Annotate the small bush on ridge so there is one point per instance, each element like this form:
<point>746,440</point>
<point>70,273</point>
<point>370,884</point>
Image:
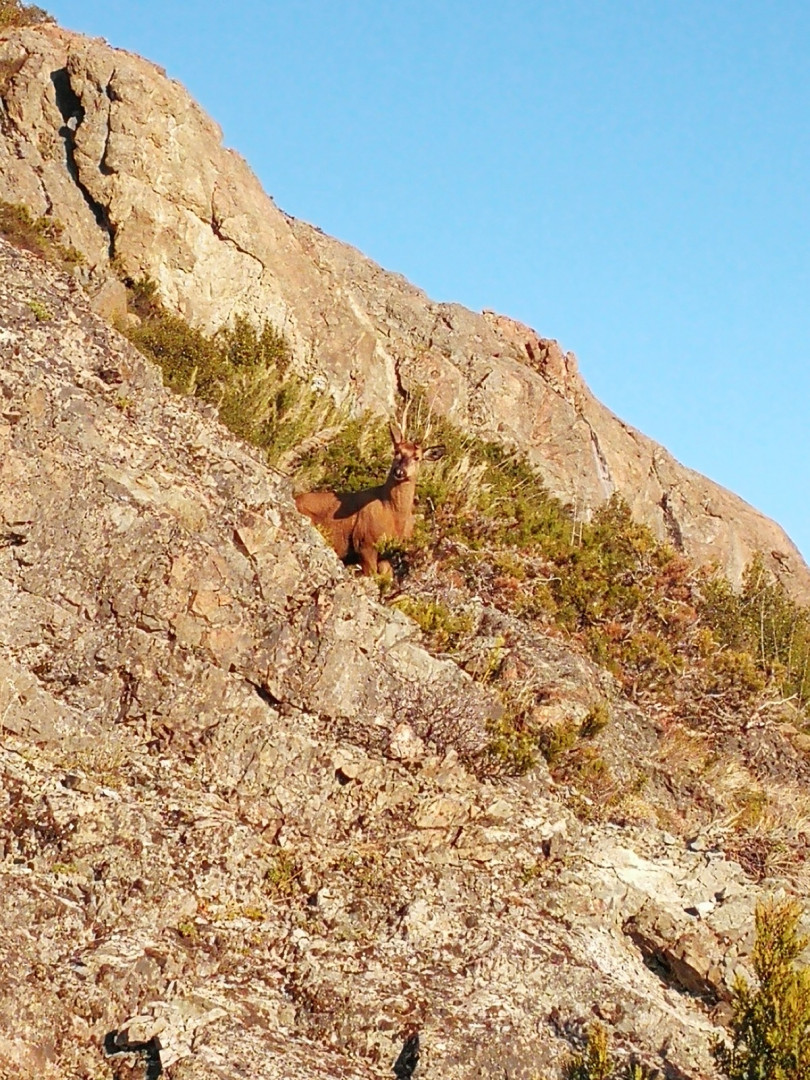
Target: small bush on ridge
<point>597,1063</point>
<point>771,1023</point>
<point>13,13</point>
<point>242,370</point>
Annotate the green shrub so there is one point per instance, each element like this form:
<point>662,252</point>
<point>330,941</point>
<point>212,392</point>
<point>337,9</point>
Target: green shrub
<point>771,1023</point>
<point>478,492</point>
<point>608,574</point>
<point>763,621</point>
<point>42,236</point>
<point>512,746</point>
<point>734,674</point>
<point>595,720</point>
<point>647,659</point>
<point>282,877</point>
<point>359,456</point>
<point>443,627</point>
<point>189,360</point>
<point>242,370</point>
<point>770,1029</point>
<point>39,311</point>
<point>519,511</point>
<point>554,740</point>
<point>596,1062</point>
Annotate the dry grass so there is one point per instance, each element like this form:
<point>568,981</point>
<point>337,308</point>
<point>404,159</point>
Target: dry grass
<point>683,752</point>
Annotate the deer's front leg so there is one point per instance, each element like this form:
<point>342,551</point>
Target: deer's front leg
<point>368,560</point>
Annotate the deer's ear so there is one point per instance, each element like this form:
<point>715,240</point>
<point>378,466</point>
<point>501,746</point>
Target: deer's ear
<point>433,453</point>
<point>396,435</point>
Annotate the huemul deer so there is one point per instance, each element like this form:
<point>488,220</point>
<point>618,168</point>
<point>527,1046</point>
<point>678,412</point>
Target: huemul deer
<point>356,521</point>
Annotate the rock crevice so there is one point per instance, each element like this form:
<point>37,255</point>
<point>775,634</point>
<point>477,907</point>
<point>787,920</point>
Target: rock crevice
<point>73,113</point>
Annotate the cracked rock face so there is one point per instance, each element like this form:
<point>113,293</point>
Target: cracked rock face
<point>136,171</point>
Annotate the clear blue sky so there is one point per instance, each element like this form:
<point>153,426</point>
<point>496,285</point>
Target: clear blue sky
<point>631,177</point>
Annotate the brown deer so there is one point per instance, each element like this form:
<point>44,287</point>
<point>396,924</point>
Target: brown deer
<point>355,522</point>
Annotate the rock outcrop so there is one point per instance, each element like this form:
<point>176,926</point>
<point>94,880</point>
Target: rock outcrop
<point>136,172</point>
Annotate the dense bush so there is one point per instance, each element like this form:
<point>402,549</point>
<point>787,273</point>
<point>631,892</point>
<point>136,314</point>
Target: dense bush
<point>241,370</point>
<point>764,622</point>
<point>771,1023</point>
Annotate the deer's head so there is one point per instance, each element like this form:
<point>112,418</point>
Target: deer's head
<point>408,456</point>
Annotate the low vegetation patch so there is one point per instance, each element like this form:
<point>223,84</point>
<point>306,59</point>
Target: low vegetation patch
<point>39,311</point>
<point>13,13</point>
<point>282,878</point>
<point>513,743</point>
<point>596,1062</point>
<point>443,627</point>
<point>42,235</point>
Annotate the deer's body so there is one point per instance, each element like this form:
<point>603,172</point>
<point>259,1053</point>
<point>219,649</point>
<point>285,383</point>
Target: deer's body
<point>356,521</point>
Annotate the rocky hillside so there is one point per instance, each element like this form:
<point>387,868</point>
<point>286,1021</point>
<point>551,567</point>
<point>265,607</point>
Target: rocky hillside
<point>251,826</point>
<point>248,822</point>
<point>245,814</point>
<point>136,172</point>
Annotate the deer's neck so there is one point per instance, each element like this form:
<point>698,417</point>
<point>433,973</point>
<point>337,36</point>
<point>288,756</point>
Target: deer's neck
<point>401,495</point>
